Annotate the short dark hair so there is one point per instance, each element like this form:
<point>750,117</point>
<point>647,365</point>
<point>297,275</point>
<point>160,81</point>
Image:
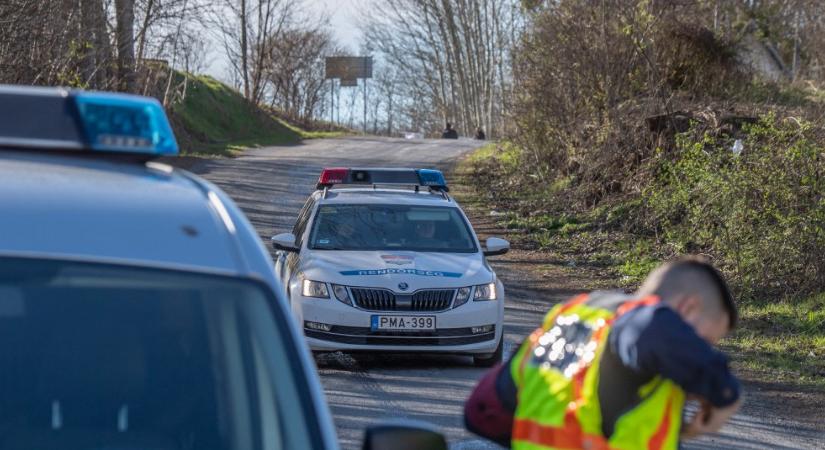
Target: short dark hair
<point>720,283</point>
<point>692,274</point>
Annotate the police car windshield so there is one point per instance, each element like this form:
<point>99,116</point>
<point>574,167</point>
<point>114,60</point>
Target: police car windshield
<point>391,227</point>
<point>100,356</point>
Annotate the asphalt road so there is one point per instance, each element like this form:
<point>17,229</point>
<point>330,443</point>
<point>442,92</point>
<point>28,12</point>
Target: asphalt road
<point>271,184</point>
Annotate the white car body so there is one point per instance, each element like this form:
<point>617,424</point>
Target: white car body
<point>375,278</point>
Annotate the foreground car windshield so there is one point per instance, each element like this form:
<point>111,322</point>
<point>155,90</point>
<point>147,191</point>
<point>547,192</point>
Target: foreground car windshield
<point>391,227</point>
<point>99,356</point>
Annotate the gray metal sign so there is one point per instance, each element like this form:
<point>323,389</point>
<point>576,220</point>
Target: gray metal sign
<point>348,67</point>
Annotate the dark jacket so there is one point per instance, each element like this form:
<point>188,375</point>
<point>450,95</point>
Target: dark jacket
<point>449,133</point>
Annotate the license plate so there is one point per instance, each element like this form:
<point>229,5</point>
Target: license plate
<point>403,323</point>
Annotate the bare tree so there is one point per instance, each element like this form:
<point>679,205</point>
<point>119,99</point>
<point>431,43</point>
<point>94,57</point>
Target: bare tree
<point>294,70</point>
<point>456,53</point>
<point>246,27</point>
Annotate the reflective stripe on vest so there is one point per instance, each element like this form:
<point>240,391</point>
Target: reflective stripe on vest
<point>556,373</point>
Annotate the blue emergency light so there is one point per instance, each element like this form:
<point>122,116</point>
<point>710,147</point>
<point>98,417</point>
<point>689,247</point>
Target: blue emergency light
<point>430,178</point>
<point>59,119</point>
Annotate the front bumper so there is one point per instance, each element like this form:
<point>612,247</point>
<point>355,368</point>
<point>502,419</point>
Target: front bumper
<point>350,328</point>
<point>365,336</point>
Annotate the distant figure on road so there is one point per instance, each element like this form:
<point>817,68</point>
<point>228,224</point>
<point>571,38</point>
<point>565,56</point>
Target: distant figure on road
<point>610,370</point>
<point>449,132</point>
<point>480,135</point>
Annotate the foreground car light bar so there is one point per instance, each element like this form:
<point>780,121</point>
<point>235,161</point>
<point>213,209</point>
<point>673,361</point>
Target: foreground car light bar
<point>125,123</point>
<point>433,179</point>
<point>79,121</point>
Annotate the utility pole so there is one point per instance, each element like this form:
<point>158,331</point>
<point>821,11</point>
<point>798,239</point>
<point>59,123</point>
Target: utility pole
<point>331,100</point>
<point>365,106</point>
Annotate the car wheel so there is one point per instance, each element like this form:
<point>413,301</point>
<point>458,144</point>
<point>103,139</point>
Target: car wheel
<point>490,359</point>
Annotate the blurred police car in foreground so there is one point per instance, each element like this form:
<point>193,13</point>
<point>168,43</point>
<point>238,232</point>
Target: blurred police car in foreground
<point>396,268</point>
<point>138,307</point>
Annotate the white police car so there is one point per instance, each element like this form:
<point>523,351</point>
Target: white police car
<point>138,307</point>
<point>395,268</point>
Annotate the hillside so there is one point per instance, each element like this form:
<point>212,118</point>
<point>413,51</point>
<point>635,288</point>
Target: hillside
<point>214,119</point>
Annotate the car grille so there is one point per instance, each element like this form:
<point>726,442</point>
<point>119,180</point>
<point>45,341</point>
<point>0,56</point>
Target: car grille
<point>385,300</point>
<point>435,300</point>
<point>374,299</point>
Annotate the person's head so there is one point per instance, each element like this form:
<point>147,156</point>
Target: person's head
<point>425,229</point>
<point>449,126</point>
<point>697,292</point>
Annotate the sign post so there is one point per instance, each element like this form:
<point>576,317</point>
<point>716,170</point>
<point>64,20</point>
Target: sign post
<point>348,69</point>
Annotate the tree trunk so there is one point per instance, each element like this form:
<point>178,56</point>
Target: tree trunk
<point>144,30</point>
<point>125,15</point>
<point>98,53</point>
<point>244,50</point>
<point>87,32</point>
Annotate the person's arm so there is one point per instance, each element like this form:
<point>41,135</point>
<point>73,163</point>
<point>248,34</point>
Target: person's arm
<point>655,340</point>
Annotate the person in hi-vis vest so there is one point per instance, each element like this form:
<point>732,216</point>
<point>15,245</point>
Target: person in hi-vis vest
<point>608,370</point>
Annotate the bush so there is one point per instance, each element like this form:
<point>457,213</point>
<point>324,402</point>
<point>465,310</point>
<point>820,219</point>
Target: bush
<point>760,214</point>
<point>588,76</point>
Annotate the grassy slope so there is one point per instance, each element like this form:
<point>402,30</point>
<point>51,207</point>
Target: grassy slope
<point>776,341</point>
<point>216,120</point>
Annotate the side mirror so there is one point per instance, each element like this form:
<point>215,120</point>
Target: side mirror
<point>496,246</point>
<point>404,435</point>
<point>285,242</point>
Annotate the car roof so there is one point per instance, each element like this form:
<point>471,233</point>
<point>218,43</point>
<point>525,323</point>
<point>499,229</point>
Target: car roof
<point>102,209</point>
<point>383,196</point>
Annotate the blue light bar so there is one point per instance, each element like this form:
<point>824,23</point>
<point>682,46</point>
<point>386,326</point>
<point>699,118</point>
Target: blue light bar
<point>125,123</point>
<point>432,178</point>
<point>57,119</point>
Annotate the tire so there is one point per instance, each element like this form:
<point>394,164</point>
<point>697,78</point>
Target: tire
<point>492,359</point>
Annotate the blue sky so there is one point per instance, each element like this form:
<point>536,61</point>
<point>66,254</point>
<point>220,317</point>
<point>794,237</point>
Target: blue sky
<point>342,14</point>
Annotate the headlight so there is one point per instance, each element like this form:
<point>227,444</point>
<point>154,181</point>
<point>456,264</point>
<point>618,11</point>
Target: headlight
<point>461,296</point>
<point>485,292</point>
<point>315,289</point>
<point>341,294</point>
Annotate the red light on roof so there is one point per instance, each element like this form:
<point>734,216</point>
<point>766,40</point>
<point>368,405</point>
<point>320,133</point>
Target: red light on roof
<point>333,175</point>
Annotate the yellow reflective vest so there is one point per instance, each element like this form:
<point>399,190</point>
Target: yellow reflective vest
<point>556,372</point>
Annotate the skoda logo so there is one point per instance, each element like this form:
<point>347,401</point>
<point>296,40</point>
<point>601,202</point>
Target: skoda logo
<point>403,286</point>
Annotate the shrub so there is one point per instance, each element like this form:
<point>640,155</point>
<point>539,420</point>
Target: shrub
<point>759,213</point>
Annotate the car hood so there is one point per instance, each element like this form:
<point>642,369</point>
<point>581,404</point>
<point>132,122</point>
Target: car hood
<point>390,269</point>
